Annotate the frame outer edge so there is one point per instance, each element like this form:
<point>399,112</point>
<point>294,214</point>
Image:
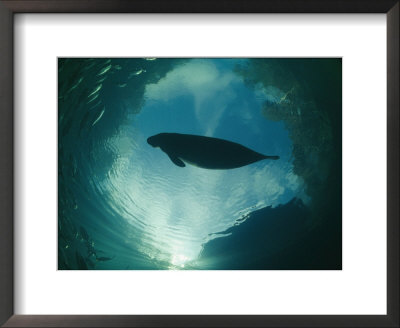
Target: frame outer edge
<point>6,164</point>
<point>203,6</point>
<point>6,181</point>
<point>393,164</point>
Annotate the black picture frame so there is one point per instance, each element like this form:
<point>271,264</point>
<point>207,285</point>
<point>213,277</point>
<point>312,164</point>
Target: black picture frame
<point>10,7</point>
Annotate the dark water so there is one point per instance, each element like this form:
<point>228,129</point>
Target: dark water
<point>123,205</point>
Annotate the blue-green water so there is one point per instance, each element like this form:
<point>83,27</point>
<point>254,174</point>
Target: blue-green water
<point>124,205</point>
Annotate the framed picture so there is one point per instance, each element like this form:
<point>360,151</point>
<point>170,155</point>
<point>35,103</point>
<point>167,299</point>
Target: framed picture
<point>165,166</point>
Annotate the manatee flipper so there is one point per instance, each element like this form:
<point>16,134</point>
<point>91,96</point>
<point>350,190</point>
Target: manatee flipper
<point>176,160</point>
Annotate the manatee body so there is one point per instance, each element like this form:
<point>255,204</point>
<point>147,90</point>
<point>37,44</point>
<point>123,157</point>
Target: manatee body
<point>205,152</point>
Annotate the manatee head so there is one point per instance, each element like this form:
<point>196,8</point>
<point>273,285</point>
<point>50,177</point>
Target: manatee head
<point>155,141</point>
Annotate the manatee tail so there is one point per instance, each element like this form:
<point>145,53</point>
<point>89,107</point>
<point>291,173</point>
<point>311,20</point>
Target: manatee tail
<point>272,157</point>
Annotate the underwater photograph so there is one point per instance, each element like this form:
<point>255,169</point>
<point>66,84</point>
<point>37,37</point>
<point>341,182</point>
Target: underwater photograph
<point>199,164</point>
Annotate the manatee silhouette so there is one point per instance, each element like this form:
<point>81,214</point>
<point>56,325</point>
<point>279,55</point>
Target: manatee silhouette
<point>205,152</point>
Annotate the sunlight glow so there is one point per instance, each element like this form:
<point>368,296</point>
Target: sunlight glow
<point>179,260</point>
